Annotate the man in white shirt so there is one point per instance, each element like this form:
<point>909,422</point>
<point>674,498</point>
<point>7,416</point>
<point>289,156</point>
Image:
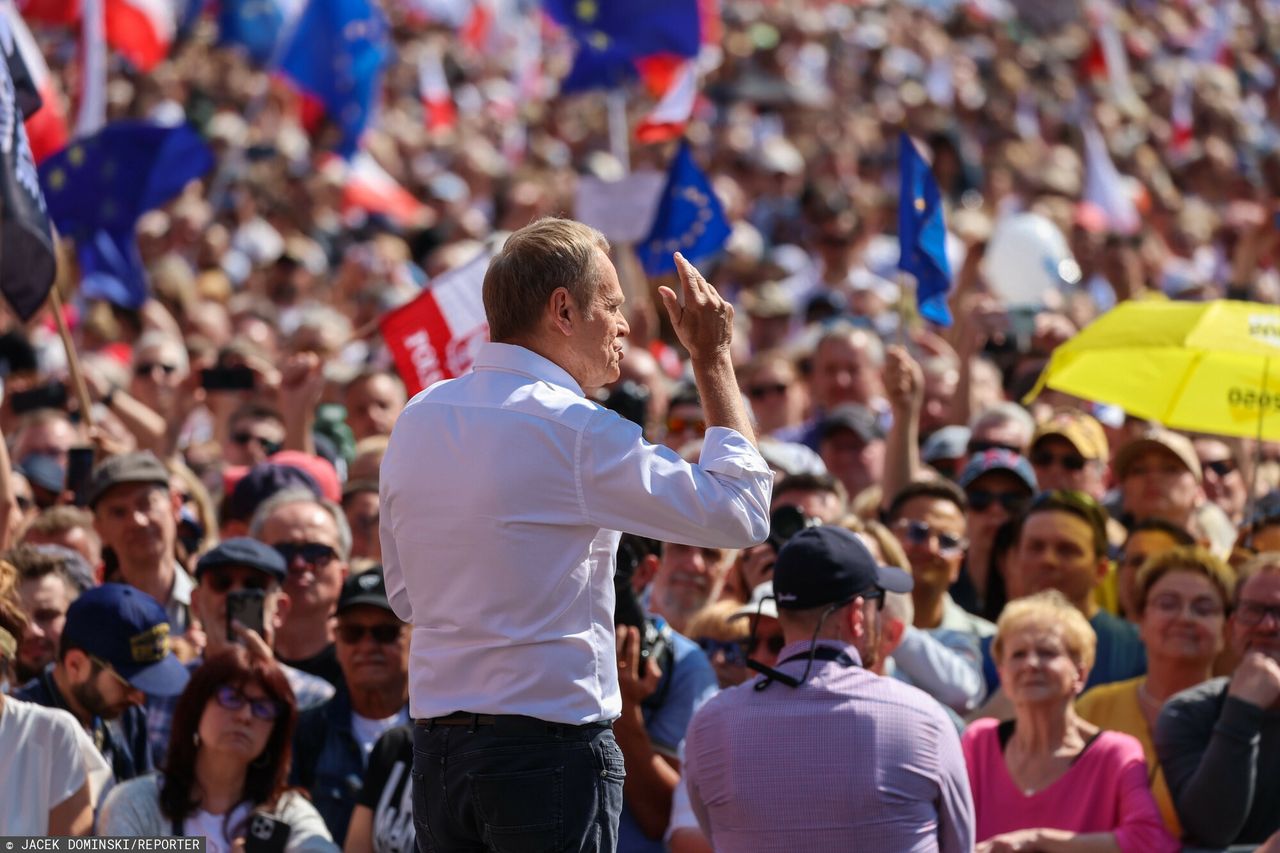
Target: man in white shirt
<point>503,494</point>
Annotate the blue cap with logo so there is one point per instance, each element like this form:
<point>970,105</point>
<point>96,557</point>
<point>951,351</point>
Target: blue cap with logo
<point>999,459</point>
<point>128,629</point>
<point>830,565</point>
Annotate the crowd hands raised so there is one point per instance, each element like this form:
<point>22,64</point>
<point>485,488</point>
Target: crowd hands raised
<point>1096,600</point>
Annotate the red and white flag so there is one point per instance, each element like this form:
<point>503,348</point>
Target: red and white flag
<point>671,115</point>
<point>141,30</point>
<point>438,109</point>
<point>368,187</point>
<point>436,336</point>
<point>1105,187</point>
<point>1181,118</point>
<point>92,113</point>
<point>46,130</point>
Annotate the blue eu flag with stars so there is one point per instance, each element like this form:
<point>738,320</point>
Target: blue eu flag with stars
<point>98,187</point>
<point>612,34</point>
<point>922,234</point>
<point>689,220</point>
<point>336,54</point>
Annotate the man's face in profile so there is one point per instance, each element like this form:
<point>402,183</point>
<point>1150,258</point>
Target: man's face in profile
<point>604,325</point>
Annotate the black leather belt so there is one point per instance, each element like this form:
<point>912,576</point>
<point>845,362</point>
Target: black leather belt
<point>460,718</point>
<point>507,724</point>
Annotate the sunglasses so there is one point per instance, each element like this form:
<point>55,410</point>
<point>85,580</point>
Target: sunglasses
<point>233,700</point>
<point>678,425</point>
<point>1222,467</point>
<point>223,582</point>
<point>759,392</point>
<point>106,667</point>
<point>920,533</point>
<point>1070,461</point>
<point>981,500</point>
<point>311,553</point>
<point>382,634</point>
<point>243,438</point>
<point>735,651</point>
<point>147,368</point>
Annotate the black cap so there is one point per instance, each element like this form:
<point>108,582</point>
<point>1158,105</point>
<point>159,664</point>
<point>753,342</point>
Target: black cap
<point>139,467</point>
<point>830,565</point>
<point>859,420</point>
<point>243,551</point>
<point>368,587</point>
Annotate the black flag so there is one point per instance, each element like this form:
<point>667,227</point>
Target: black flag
<point>27,262</point>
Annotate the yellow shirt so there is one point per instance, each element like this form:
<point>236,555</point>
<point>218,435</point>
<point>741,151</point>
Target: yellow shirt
<point>1116,707</point>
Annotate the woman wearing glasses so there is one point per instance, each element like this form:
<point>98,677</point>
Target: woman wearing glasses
<point>1181,603</point>
<point>228,760</point>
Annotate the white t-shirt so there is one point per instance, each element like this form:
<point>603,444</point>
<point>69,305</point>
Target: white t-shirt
<point>41,764</point>
<point>367,731</point>
<point>214,826</point>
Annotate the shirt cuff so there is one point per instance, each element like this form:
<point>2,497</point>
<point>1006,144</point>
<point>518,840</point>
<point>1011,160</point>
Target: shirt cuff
<point>727,451</point>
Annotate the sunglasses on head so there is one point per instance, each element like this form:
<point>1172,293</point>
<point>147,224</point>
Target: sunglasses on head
<point>1070,461</point>
<point>233,700</point>
<point>759,392</point>
<point>382,634</point>
<point>311,553</point>
<point>980,500</point>
<point>223,582</point>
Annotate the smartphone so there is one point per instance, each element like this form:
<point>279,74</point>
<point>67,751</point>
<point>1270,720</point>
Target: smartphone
<point>265,834</point>
<point>50,396</point>
<point>227,379</point>
<point>79,469</point>
<point>245,606</point>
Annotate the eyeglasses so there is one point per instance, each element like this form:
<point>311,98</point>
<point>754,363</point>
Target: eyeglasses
<point>1069,461</point>
<point>1251,613</point>
<point>222,582</point>
<point>759,392</point>
<point>735,651</point>
<point>106,667</point>
<point>382,634</point>
<point>233,700</point>
<point>243,438</point>
<point>981,500</point>
<point>920,533</point>
<point>311,553</point>
<point>1168,604</point>
<point>981,446</point>
<point>1222,467</point>
<point>678,425</point>
<point>146,368</point>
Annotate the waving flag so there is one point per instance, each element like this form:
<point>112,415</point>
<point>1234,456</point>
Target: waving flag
<point>689,220</point>
<point>922,233</point>
<point>37,90</point>
<point>438,110</point>
<point>1105,187</point>
<point>258,27</point>
<point>140,30</point>
<point>367,186</point>
<point>99,187</point>
<point>669,118</point>
<point>614,36</point>
<point>336,55</point>
<point>435,336</point>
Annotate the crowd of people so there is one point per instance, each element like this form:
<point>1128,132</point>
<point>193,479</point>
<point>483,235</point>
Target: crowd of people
<point>1080,646</point>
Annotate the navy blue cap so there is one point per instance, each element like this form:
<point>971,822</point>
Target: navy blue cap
<point>42,470</point>
<point>859,420</point>
<point>367,587</point>
<point>263,481</point>
<point>123,626</point>
<point>243,551</point>
<point>999,459</point>
<point>830,565</point>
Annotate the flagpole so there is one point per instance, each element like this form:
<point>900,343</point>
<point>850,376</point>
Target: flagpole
<point>618,141</point>
<point>73,360</point>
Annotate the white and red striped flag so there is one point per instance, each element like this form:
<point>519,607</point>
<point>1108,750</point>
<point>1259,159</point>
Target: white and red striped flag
<point>47,130</point>
<point>1105,187</point>
<point>669,118</point>
<point>436,336</point>
<point>1181,117</point>
<point>367,186</point>
<point>438,109</point>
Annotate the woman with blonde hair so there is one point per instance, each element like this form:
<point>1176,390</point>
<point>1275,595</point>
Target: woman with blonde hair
<point>1048,779</point>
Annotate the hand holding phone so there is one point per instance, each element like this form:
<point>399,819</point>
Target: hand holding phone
<point>79,469</point>
<point>244,606</point>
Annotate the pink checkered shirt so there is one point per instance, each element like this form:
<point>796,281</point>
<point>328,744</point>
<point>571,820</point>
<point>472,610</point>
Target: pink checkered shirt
<point>848,761</point>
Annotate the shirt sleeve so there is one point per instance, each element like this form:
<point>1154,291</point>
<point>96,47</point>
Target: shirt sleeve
<point>627,484</point>
<point>1141,828</point>
<point>946,674</point>
<point>1211,765</point>
<point>67,773</point>
<point>392,571</point>
<point>956,821</point>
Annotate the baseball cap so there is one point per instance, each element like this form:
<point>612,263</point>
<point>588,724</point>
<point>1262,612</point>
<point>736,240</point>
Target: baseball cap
<point>829,565</point>
<point>261,482</point>
<point>123,626</point>
<point>998,459</point>
<point>42,470</point>
<point>768,300</point>
<point>320,469</point>
<point>859,420</point>
<point>243,551</point>
<point>762,603</point>
<point>949,442</point>
<point>139,467</point>
<point>1159,437</point>
<point>368,587</point>
<point>1081,431</point>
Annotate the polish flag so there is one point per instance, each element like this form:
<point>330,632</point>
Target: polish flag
<point>141,30</point>
<point>1181,118</point>
<point>438,109</point>
<point>1105,188</point>
<point>92,114</point>
<point>669,118</point>
<point>47,129</point>
<point>367,186</point>
<point>436,336</point>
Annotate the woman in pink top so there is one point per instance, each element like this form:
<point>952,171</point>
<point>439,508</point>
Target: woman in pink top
<point>1048,780</point>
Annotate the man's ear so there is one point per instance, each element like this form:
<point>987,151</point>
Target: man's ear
<point>563,310</point>
<point>77,664</point>
<point>283,605</point>
<point>1103,569</point>
<point>645,573</point>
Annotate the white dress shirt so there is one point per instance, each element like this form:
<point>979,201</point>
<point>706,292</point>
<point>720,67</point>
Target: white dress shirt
<point>502,496</point>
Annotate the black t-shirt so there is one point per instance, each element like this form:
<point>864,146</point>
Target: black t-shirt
<point>323,664</point>
<point>388,791</point>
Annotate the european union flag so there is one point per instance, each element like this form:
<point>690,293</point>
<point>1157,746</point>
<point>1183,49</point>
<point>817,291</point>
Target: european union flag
<point>256,26</point>
<point>98,187</point>
<point>336,54</point>
<point>613,34</point>
<point>689,220</point>
<point>922,234</point>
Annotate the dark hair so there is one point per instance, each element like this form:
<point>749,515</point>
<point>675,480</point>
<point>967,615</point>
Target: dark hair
<point>808,482</point>
<point>943,490</point>
<point>685,394</point>
<point>1075,503</point>
<point>256,412</point>
<point>1176,532</point>
<point>265,782</point>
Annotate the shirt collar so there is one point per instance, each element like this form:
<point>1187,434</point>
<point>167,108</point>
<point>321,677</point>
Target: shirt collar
<point>182,587</point>
<point>518,359</point>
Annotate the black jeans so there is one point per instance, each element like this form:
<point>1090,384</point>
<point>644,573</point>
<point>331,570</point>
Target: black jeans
<point>517,786</point>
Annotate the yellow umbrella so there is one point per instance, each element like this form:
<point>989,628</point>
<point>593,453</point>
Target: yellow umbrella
<point>1211,367</point>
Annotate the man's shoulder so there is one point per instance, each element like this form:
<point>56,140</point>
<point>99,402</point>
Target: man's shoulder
<point>36,692</point>
<point>1207,695</point>
<point>956,618</point>
<point>519,394</point>
<point>35,724</point>
<point>1113,626</point>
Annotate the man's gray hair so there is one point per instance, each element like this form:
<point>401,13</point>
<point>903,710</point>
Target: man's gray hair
<point>157,338</point>
<point>1004,413</point>
<point>843,330</point>
<point>302,495</point>
<point>899,605</point>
